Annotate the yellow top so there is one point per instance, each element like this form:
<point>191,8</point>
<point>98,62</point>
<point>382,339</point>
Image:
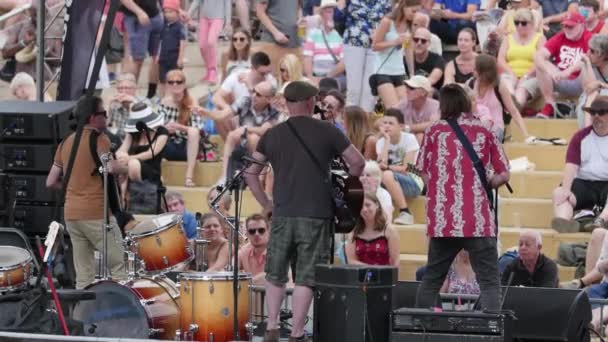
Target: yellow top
<point>521,57</point>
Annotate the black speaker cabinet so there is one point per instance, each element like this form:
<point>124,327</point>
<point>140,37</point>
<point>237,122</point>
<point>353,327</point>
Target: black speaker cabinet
<point>353,302</point>
<point>399,336</point>
<point>35,121</point>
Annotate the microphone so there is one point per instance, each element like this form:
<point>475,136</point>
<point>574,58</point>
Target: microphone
<point>252,160</point>
<point>143,127</point>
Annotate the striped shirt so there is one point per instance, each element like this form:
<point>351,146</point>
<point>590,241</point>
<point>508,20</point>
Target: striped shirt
<point>315,47</point>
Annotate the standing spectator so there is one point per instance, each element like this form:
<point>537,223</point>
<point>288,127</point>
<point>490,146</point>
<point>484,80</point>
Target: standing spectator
<point>323,49</point>
<point>252,256</point>
<point>121,102</point>
<point>373,241</point>
<point>459,214</point>
<point>173,42</point>
<point>460,69</point>
<point>236,58</point>
<point>427,63</point>
<point>392,34</point>
<point>362,16</point>
<point>590,9</point>
<point>360,132</point>
<point>175,204</point>
<point>531,268</point>
<point>371,178</point>
<point>557,67</point>
<point>453,16</point>
<point>183,120</point>
<point>595,74</point>
<point>242,12</point>
<point>280,34</point>
<point>422,20</point>
<point>396,150</point>
<point>144,23</point>
<point>419,110</point>
<point>213,15</point>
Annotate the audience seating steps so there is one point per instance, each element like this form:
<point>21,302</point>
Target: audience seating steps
<point>545,157</point>
<point>541,128</point>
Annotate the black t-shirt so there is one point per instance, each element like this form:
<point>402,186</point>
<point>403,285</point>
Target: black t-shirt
<point>151,167</point>
<point>545,273</point>
<point>151,8</point>
<point>433,61</point>
<point>300,190</point>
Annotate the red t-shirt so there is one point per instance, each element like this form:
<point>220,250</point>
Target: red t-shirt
<point>565,52</point>
<point>598,27</point>
<point>458,205</point>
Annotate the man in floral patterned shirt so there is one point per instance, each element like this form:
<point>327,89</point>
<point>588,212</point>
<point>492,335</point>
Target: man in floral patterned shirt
<point>459,213</point>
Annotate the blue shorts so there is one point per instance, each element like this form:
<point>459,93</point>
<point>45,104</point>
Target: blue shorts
<point>144,39</point>
<point>164,68</point>
<point>597,291</point>
<point>408,185</point>
<point>175,151</point>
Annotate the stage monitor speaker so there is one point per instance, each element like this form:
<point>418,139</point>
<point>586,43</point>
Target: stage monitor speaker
<point>35,219</point>
<point>35,121</point>
<point>28,188</point>
<point>353,302</point>
<point>400,336</point>
<point>26,157</point>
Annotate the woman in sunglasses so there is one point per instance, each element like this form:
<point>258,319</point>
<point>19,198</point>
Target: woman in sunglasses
<point>237,55</point>
<point>374,241</point>
<point>183,119</point>
<point>507,26</point>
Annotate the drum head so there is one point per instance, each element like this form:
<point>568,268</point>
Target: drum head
<point>217,276</point>
<point>115,312</point>
<point>155,224</point>
<point>11,256</point>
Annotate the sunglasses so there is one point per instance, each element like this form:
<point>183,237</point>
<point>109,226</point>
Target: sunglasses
<point>593,112</point>
<point>101,113</point>
<point>239,39</point>
<point>567,27</point>
<point>257,93</point>
<point>420,40</point>
<point>593,51</point>
<point>260,231</point>
<point>520,23</point>
<point>173,82</point>
<point>282,70</point>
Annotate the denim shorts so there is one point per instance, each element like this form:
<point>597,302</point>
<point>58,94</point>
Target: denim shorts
<point>176,151</point>
<point>410,187</point>
<point>598,291</point>
<point>144,39</point>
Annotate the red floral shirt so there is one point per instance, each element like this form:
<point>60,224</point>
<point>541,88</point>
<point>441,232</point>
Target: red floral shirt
<point>457,205</point>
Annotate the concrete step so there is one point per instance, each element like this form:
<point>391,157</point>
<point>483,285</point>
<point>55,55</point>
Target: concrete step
<point>532,184</point>
<point>566,273</point>
<point>572,238</point>
<point>546,158</point>
<point>539,128</point>
<point>206,174</point>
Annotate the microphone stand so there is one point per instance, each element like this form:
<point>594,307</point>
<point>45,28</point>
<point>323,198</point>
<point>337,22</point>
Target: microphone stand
<point>235,186</point>
<point>106,216</point>
<point>161,190</point>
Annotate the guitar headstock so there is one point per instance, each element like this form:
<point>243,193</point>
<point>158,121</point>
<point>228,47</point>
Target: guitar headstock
<point>55,228</point>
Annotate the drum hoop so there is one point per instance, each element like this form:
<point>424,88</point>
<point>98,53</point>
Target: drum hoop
<point>157,230</point>
<point>210,276</point>
<point>175,267</point>
<point>25,262</point>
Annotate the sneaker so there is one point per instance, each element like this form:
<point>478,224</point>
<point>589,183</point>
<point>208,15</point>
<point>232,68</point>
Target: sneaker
<point>271,335</point>
<point>404,218</point>
<point>597,223</point>
<point>565,226</point>
<point>547,111</point>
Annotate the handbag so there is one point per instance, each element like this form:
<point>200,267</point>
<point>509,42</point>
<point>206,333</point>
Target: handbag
<point>373,78</point>
<point>344,219</point>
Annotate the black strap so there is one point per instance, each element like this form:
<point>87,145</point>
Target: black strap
<point>331,52</point>
<point>477,164</point>
<point>387,57</point>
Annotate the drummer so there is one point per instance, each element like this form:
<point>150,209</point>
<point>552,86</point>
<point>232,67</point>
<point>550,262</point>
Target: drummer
<point>175,204</point>
<point>216,253</point>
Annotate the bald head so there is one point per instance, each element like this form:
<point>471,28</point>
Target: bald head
<point>421,20</point>
<point>422,33</point>
<point>266,88</point>
<point>531,235</point>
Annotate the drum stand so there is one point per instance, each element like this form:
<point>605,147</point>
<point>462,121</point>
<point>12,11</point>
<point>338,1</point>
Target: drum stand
<point>235,185</point>
<point>105,227</point>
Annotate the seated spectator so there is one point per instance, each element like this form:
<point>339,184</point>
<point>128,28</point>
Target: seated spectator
<point>290,69</point>
<point>585,181</point>
<point>597,250</point>
<point>531,268</point>
<point>556,64</point>
<point>390,37</point>
<point>455,16</point>
<point>333,108</point>
<point>460,69</point>
<point>224,205</point>
<point>323,49</point>
<point>396,150</point>
<point>507,27</point>
<point>360,132</point>
<point>590,9</point>
<point>236,58</point>
<point>216,253</point>
<point>495,95</point>
<point>252,256</point>
<point>517,51</point>
<point>554,12</point>
<point>422,20</point>
<point>254,115</point>
<point>418,108</point>
<point>373,241</point>
<point>595,75</point>
<point>461,277</point>
<point>371,179</point>
<point>183,120</point>
<point>238,85</point>
<point>23,87</point>
<point>175,204</point>
<point>121,102</point>
<point>427,63</point>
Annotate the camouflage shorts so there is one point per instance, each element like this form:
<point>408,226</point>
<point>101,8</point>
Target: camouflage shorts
<point>298,241</point>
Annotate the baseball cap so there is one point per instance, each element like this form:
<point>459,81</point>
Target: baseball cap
<point>573,18</point>
<point>419,82</point>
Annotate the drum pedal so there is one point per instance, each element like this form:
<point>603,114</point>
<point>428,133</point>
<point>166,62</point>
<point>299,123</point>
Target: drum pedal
<point>285,315</point>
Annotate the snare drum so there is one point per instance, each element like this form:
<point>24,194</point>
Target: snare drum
<point>139,308</point>
<point>161,244</point>
<point>15,268</point>
<point>207,306</point>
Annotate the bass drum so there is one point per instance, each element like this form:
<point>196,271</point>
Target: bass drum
<point>139,308</point>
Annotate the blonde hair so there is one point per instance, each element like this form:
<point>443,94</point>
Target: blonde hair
<point>294,69</point>
<point>373,168</point>
<point>22,79</point>
<point>524,14</point>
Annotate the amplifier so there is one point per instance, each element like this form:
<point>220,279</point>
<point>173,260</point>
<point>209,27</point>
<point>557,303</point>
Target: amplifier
<point>30,120</point>
<point>35,219</point>
<point>400,336</point>
<point>458,322</point>
<point>30,188</point>
<point>26,157</point>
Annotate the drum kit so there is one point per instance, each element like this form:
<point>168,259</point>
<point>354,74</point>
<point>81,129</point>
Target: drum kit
<point>16,267</point>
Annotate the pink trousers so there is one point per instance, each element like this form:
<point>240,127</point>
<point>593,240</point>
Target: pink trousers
<point>208,33</point>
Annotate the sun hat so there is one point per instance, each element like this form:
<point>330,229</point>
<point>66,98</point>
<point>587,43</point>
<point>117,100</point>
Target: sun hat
<point>142,112</point>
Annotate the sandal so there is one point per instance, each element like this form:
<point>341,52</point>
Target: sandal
<point>189,183</point>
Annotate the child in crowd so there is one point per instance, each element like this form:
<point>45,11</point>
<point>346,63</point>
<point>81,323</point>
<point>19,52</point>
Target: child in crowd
<point>173,42</point>
<point>396,150</point>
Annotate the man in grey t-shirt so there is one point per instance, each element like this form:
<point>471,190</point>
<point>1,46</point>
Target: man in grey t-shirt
<point>280,33</point>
